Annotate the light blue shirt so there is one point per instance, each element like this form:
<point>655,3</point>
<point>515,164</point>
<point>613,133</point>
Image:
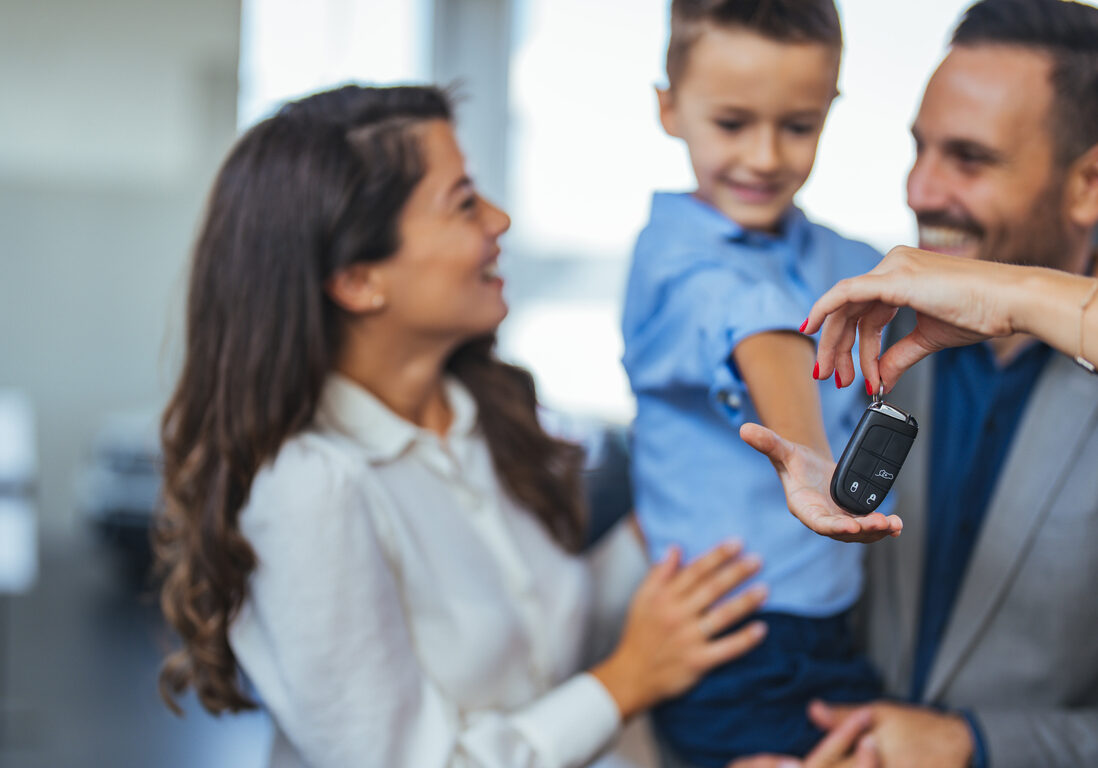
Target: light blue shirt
<point>698,286</point>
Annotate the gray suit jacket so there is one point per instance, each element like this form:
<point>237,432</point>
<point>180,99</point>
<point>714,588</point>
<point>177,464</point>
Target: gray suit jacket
<point>1021,647</point>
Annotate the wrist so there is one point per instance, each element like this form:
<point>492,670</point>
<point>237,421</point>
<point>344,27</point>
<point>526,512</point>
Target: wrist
<point>621,681</point>
<point>1022,284</point>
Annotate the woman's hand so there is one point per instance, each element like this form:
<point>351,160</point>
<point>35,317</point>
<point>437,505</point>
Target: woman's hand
<point>806,478</point>
<point>957,301</point>
<point>671,633</point>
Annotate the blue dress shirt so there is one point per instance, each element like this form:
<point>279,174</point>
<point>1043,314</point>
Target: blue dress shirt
<point>977,407</point>
<point>699,285</point>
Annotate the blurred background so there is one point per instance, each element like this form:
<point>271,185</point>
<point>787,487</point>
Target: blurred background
<point>113,117</point>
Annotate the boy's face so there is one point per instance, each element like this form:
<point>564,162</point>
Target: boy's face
<point>750,111</point>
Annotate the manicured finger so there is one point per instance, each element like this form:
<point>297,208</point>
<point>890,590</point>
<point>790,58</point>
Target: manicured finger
<point>844,359</point>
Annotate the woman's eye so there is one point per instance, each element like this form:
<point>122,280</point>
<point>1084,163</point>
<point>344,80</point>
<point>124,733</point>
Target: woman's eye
<point>468,204</point>
<point>801,129</point>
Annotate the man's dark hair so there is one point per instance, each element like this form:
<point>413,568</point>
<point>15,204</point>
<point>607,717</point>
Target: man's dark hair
<point>1066,32</point>
<point>785,21</point>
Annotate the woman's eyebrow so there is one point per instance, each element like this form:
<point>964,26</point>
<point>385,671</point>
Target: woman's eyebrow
<point>458,186</point>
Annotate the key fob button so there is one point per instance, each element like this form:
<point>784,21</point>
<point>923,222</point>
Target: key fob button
<point>876,439</point>
<point>855,485</point>
<point>884,473</point>
<point>864,463</point>
<point>871,497</point>
<point>897,449</point>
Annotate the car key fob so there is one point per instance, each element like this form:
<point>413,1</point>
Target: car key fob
<point>873,457</point>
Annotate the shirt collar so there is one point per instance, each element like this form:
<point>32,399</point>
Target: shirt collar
<point>347,407</point>
<point>674,207</point>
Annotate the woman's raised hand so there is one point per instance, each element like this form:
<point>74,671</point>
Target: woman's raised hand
<point>957,301</point>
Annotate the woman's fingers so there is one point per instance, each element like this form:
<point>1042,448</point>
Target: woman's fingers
<point>734,644</point>
<point>703,567</point>
<point>898,358</point>
<point>721,582</point>
<point>734,610</point>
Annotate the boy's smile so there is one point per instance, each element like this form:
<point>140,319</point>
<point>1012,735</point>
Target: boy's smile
<point>750,110</point>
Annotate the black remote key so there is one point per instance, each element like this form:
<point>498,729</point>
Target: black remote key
<point>873,457</point>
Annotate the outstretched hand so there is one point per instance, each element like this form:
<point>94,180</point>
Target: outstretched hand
<point>806,478</point>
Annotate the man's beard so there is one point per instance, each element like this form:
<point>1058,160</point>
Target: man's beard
<point>1039,238</point>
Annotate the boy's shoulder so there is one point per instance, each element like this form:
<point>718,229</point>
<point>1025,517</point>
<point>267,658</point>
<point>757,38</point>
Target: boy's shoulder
<point>827,240</point>
<point>825,235</point>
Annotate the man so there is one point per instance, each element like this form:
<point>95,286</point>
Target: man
<point>984,610</point>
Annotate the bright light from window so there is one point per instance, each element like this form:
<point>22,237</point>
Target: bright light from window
<point>289,48</point>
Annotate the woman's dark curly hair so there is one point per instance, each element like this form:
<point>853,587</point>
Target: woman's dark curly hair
<point>302,195</point>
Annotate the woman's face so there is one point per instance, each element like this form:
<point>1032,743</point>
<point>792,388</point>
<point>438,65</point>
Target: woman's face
<point>442,282</point>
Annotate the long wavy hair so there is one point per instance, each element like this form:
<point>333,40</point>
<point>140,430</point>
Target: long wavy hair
<point>302,195</point>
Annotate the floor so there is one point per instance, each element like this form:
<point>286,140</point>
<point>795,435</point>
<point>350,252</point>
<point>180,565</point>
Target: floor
<point>78,662</point>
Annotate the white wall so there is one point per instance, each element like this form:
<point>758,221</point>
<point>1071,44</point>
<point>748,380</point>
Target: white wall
<point>113,116</point>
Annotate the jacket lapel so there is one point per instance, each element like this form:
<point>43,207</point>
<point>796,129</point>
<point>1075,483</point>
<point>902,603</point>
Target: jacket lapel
<point>1059,416</point>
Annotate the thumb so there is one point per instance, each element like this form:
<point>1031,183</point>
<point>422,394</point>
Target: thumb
<point>766,441</point>
<point>899,358</point>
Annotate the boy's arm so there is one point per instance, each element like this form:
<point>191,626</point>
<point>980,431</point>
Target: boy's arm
<point>774,366</point>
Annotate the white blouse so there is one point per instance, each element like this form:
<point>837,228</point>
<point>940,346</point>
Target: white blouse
<point>406,612</point>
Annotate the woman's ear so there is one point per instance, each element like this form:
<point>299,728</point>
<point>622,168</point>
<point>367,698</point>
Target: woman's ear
<point>1082,189</point>
<point>358,289</point>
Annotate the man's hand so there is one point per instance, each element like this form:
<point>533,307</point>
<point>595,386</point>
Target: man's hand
<point>806,478</point>
<point>906,736</point>
<point>846,746</point>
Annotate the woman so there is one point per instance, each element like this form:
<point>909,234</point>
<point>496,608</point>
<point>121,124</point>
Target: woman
<point>363,513</point>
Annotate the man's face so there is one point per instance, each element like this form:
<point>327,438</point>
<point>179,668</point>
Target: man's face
<point>985,183</point>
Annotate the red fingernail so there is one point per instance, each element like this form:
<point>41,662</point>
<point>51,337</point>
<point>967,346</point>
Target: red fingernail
<point>816,371</point>
<point>838,381</point>
<point>804,325</point>
<point>868,388</point>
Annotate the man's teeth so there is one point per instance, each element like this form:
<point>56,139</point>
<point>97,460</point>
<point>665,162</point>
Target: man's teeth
<point>946,238</point>
<point>491,272</point>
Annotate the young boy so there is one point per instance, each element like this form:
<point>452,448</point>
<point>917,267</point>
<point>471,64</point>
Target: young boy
<point>720,282</point>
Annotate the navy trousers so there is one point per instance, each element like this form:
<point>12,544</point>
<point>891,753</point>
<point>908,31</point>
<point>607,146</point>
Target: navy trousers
<point>758,703</point>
